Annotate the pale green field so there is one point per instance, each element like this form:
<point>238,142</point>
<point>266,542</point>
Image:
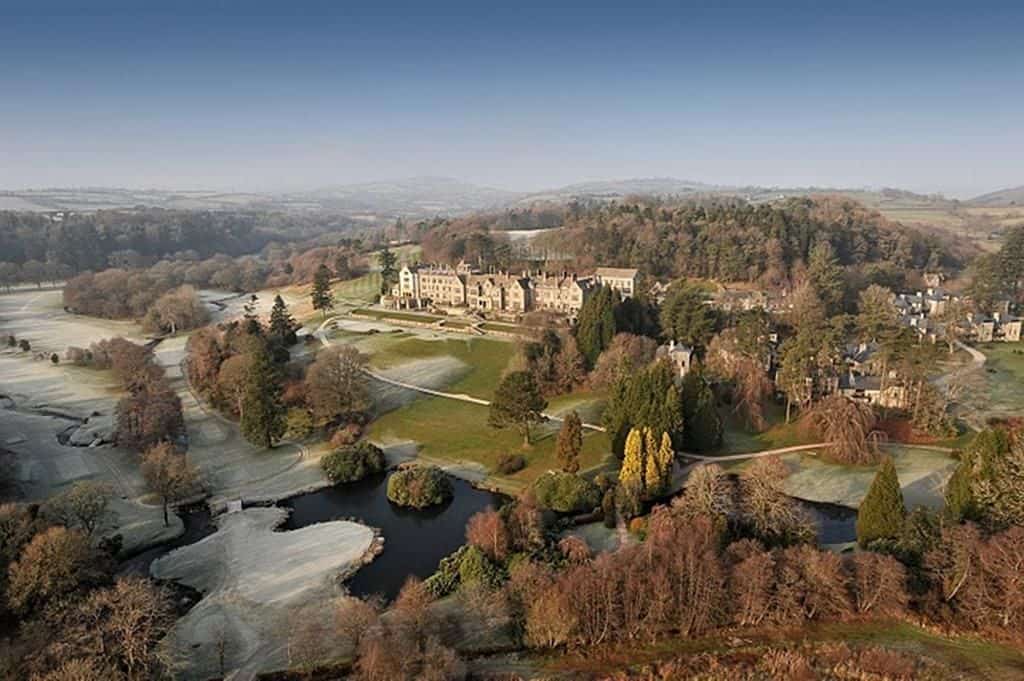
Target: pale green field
<point>451,432</point>
<point>922,472</point>
<point>1004,379</point>
<point>364,289</point>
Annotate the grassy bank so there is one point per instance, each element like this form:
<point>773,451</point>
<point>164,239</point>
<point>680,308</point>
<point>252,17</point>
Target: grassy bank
<point>970,657</point>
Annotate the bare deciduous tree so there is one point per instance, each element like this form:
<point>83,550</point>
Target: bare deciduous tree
<point>878,584</point>
<point>169,474</point>
<point>770,514</point>
<point>84,505</point>
<point>336,383</point>
<point>846,425</point>
<point>487,531</point>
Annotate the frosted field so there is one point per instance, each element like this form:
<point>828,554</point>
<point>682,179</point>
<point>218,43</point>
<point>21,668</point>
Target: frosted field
<point>231,467</point>
<point>44,467</point>
<point>43,400</point>
<point>39,317</point>
<point>251,577</point>
<point>922,472</point>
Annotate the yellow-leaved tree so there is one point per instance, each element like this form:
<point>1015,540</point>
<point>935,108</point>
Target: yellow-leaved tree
<point>658,473</point>
<point>631,475</point>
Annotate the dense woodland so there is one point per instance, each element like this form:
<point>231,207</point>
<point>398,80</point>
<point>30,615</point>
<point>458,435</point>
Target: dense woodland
<point>728,556</point>
<point>722,240</point>
<point>66,614</point>
<point>40,247</point>
<point>143,293</point>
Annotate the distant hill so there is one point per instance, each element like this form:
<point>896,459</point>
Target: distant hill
<point>415,196</point>
<point>425,197</point>
<point>612,189</point>
<point>370,201</point>
<point>1002,198</point>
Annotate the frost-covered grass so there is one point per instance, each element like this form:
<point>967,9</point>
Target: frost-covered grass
<point>252,578</point>
<point>39,317</point>
<point>1004,378</point>
<point>485,360</point>
<point>922,472</point>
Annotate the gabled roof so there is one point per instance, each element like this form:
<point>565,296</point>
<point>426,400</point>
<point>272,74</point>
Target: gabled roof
<point>617,272</point>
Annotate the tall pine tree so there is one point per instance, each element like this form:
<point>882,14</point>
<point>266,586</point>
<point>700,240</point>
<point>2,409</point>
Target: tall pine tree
<point>703,431</point>
<point>595,326</point>
<point>517,402</point>
<point>321,295</point>
<point>263,414</point>
<point>649,398</point>
<point>570,442</point>
<point>282,324</point>
<point>388,262</point>
<point>826,276</point>
<point>882,512</point>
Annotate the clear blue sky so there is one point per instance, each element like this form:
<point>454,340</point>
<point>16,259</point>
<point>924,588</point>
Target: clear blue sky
<point>282,95</point>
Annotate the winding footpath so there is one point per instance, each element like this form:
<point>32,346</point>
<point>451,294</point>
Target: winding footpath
<point>321,334</point>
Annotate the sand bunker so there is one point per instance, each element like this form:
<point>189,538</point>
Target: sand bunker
<point>251,577</point>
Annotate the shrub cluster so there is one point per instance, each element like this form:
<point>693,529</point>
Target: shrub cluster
<point>565,492</point>
<point>510,463</point>
<point>352,463</point>
<point>419,487</point>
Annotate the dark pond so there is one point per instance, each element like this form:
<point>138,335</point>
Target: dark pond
<point>836,524</point>
<point>414,541</point>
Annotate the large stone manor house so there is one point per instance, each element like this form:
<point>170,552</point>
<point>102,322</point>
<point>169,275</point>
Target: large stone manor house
<point>464,286</point>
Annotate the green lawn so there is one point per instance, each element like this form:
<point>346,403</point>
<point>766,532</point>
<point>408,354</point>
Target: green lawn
<point>499,326</point>
<point>363,289</point>
<point>738,440</point>
<point>973,658</point>
<point>997,390</point>
<point>395,315</point>
<point>485,358</point>
<point>450,431</point>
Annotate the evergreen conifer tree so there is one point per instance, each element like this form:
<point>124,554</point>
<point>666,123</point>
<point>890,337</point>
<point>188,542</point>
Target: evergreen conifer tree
<point>960,502</point>
<point>282,324</point>
<point>595,326</point>
<point>882,513</point>
<point>263,415</point>
<point>388,262</point>
<point>826,276</point>
<point>250,319</point>
<point>321,295</point>
<point>570,442</point>
<point>703,431</point>
<point>517,402</point>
